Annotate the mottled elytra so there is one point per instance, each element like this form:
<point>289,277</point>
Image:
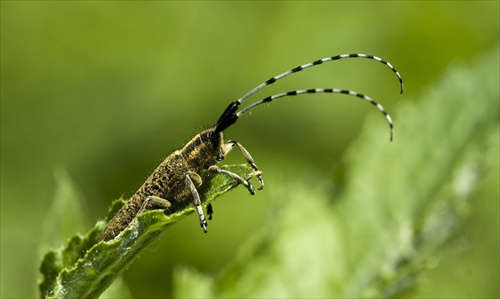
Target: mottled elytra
<point>177,178</point>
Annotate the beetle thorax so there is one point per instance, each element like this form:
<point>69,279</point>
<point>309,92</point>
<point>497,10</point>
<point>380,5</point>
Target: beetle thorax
<point>203,150</point>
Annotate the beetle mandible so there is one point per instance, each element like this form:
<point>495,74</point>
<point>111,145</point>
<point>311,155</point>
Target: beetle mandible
<point>176,179</point>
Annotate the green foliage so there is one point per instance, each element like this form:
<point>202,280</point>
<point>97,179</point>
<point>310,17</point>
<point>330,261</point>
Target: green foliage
<point>396,217</point>
<point>121,84</point>
<point>86,267</point>
<point>399,212</point>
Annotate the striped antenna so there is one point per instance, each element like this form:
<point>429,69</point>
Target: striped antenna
<point>318,62</point>
<point>230,115</point>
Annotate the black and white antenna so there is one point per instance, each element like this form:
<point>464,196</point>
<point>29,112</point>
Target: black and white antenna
<point>230,115</point>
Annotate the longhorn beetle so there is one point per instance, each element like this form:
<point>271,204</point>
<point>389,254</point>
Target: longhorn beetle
<point>176,179</point>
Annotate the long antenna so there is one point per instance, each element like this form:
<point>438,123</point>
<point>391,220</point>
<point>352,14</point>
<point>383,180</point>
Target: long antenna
<point>230,115</point>
<point>318,62</point>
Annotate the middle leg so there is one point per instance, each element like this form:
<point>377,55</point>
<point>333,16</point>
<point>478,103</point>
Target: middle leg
<point>197,200</point>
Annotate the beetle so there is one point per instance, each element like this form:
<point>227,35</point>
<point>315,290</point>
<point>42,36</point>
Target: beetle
<point>177,178</point>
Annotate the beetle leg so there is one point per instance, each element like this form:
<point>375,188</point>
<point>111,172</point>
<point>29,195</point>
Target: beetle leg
<point>210,211</point>
<point>197,202</point>
<point>217,169</point>
<point>228,146</point>
<point>154,202</point>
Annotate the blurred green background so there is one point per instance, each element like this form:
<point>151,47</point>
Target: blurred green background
<point>106,90</point>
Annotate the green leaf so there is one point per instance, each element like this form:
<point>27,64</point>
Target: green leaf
<point>402,204</point>
<point>55,260</point>
<point>86,267</point>
<point>64,215</point>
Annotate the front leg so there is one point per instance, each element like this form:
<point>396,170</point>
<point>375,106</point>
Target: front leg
<point>228,146</point>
